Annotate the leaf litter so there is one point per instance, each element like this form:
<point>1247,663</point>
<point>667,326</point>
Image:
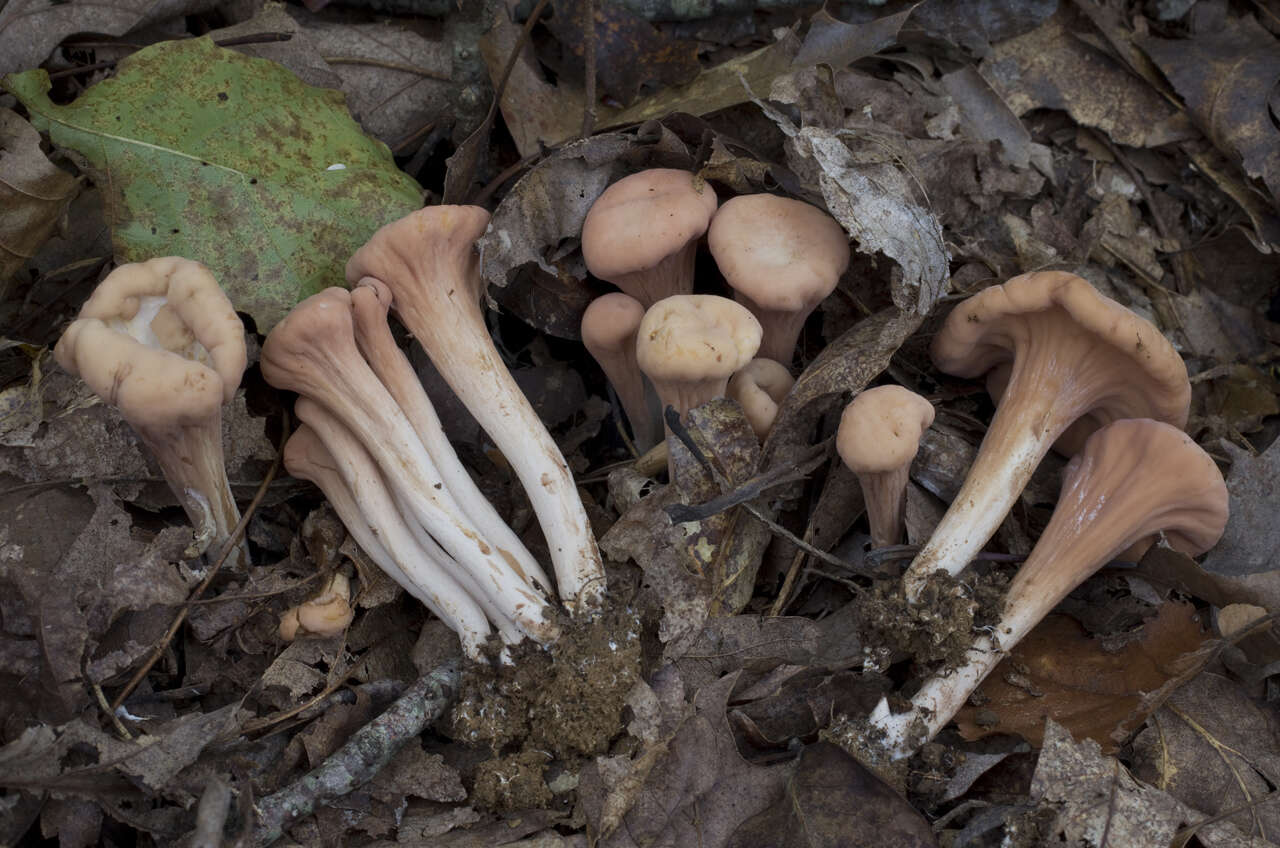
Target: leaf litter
<point>957,145</point>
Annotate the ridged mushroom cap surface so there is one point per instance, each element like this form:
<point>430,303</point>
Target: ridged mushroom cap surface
<point>644,218</point>
<point>696,337</point>
<point>783,254</point>
<point>1133,370</point>
<point>880,429</point>
<point>174,304</point>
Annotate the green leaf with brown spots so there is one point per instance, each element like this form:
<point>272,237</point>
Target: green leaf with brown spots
<point>233,161</point>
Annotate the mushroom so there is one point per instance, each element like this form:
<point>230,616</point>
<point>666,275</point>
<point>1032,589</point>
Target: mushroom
<point>642,233</point>
<point>325,614</point>
<point>159,341</point>
<point>878,438</point>
<point>428,262</point>
<point>313,352</point>
<point>1134,477</point>
<point>689,345</point>
<point>782,257</point>
<point>369,513</point>
<point>369,307</point>
<point>758,387</point>
<point>609,327</point>
<point>1073,352</point>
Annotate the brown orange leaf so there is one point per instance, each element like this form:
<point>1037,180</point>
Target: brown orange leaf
<point>1062,673</point>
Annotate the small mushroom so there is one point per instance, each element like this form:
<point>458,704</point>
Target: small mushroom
<point>759,387</point>
<point>428,262</point>
<point>160,341</point>
<point>642,233</point>
<point>878,438</point>
<point>782,258</point>
<point>323,615</point>
<point>1134,478</point>
<point>609,328</point>
<point>689,345</point>
<point>1072,352</point>
<point>369,512</point>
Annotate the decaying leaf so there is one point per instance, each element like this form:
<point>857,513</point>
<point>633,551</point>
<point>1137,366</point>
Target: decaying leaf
<point>833,800</point>
<point>1049,68</point>
<point>695,789</point>
<point>1095,795</point>
<point>1058,672</point>
<point>629,50</point>
<point>31,29</point>
<point>295,215</point>
<point>33,194</point>
<point>1251,543</point>
<point>1213,748</point>
<point>839,44</point>
<point>1225,76</point>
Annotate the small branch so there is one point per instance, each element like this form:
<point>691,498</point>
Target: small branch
<point>365,754</point>
<point>382,63</point>
<point>753,488</point>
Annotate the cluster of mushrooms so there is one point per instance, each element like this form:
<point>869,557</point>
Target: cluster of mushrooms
<point>1070,369</point>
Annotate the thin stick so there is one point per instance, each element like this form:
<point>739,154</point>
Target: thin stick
<point>231,544</point>
<point>589,44</point>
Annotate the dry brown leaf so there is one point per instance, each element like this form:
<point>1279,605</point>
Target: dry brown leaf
<point>1048,68</point>
<point>831,801</point>
<point>1226,77</point>
<point>1058,672</point>
<point>1251,542</point>
<point>33,194</point>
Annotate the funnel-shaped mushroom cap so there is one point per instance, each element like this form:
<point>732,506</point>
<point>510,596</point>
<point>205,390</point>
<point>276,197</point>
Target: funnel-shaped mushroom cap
<point>878,438</point>
<point>880,429</point>
<point>160,341</point>
<point>1134,477</point>
<point>689,345</point>
<point>174,304</point>
<point>1071,353</point>
<point>609,328</point>
<point>641,233</point>
<point>1111,361</point>
<point>782,257</point>
<point>759,387</point>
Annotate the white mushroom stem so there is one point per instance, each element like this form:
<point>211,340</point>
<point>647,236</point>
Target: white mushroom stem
<point>1134,478</point>
<point>428,261</point>
<point>369,306</point>
<point>507,609</point>
<point>313,352</point>
<point>359,495</point>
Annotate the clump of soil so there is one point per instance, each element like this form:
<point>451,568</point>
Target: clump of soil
<point>513,783</point>
<point>563,701</point>
<point>938,628</point>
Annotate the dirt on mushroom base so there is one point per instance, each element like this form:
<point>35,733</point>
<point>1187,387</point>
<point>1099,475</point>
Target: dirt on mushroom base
<point>937,629</point>
<point>563,701</point>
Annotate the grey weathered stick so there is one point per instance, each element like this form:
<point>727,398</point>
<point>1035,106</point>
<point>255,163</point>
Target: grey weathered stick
<point>367,751</point>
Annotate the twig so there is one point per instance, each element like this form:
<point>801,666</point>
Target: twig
<point>252,38</point>
<point>231,544</point>
<point>755,487</point>
<point>101,698</point>
<point>383,63</point>
<point>589,48</point>
<point>367,751</point>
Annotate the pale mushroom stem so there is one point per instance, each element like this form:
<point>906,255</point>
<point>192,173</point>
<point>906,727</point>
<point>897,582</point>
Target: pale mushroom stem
<point>355,489</point>
<point>781,329</point>
<point>1135,478</point>
<point>885,492</point>
<point>1046,393</point>
<point>429,262</point>
<point>196,472</point>
<point>373,335</point>
<point>507,605</point>
<point>671,276</point>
